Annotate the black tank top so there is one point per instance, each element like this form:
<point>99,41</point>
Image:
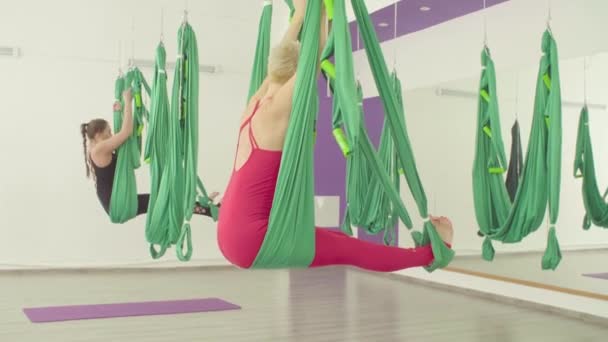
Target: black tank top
<point>104,182</point>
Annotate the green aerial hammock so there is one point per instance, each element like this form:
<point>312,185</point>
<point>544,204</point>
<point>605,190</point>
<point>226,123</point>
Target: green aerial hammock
<point>289,241</point>
<point>179,188</point>
<point>596,209</point>
<point>171,149</point>
<point>260,63</point>
<point>123,202</point>
<point>165,208</point>
<point>396,123</point>
<point>373,201</point>
<point>499,218</point>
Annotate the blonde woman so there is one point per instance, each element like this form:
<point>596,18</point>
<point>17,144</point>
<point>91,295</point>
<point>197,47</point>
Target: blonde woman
<point>247,202</point>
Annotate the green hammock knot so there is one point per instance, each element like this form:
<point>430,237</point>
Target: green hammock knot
<point>342,142</point>
<point>215,211</point>
<point>487,251</point>
<point>442,254</point>
<point>329,8</point>
<point>553,254</point>
<point>484,93</point>
<point>547,80</point>
<point>157,254</point>
<point>487,131</point>
<point>185,237</point>
<point>329,69</point>
<point>138,103</point>
<point>586,222</point>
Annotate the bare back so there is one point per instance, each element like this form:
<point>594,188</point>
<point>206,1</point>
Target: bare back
<point>269,124</point>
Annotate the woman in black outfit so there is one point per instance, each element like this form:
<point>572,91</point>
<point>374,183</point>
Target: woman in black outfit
<point>100,157</point>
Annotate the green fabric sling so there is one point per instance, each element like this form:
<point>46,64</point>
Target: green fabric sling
<point>362,159</point>
<point>123,202</point>
<point>260,63</point>
<point>165,209</point>
<point>395,118</point>
<point>289,241</point>
<point>380,214</point>
<point>497,217</point>
<point>184,107</point>
<point>596,209</point>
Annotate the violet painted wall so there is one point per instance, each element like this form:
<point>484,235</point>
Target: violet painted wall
<point>411,19</point>
<point>330,164</point>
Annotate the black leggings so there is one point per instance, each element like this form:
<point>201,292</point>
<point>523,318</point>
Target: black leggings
<point>143,199</point>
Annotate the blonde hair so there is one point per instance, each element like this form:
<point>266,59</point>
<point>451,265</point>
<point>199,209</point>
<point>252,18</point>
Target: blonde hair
<point>283,61</point>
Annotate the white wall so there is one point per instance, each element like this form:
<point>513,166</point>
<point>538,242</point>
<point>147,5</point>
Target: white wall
<point>442,131</point>
<point>49,214</point>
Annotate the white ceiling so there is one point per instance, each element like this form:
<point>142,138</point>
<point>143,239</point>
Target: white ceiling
<point>451,51</point>
<point>91,30</point>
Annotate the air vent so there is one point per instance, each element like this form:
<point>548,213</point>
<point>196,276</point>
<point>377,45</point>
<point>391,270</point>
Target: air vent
<point>206,68</point>
<point>9,51</point>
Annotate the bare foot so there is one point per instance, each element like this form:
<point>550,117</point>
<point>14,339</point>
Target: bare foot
<point>213,195</point>
<point>444,228</point>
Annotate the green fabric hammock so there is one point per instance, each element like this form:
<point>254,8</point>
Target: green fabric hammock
<point>184,110</point>
<point>363,163</point>
<point>123,202</point>
<point>172,150</point>
<point>395,118</point>
<point>380,214</point>
<point>165,209</point>
<point>289,241</point>
<point>497,217</point>
<point>260,62</point>
<point>596,208</point>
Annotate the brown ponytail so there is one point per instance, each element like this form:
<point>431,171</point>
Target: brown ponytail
<point>89,131</point>
<point>84,131</point>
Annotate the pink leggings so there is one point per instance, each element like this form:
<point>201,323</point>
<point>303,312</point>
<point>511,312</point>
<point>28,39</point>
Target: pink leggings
<point>337,248</point>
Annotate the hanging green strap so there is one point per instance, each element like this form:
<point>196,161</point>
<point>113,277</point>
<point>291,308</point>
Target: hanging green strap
<point>364,160</point>
<point>596,209</point>
<point>443,254</point>
<point>289,241</point>
<point>165,213</point>
<point>187,93</point>
<point>262,50</point>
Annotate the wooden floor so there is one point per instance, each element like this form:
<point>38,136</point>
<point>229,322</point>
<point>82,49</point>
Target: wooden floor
<point>332,304</point>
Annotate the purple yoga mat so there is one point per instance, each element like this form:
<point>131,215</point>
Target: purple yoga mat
<point>78,312</point>
<point>597,275</point>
